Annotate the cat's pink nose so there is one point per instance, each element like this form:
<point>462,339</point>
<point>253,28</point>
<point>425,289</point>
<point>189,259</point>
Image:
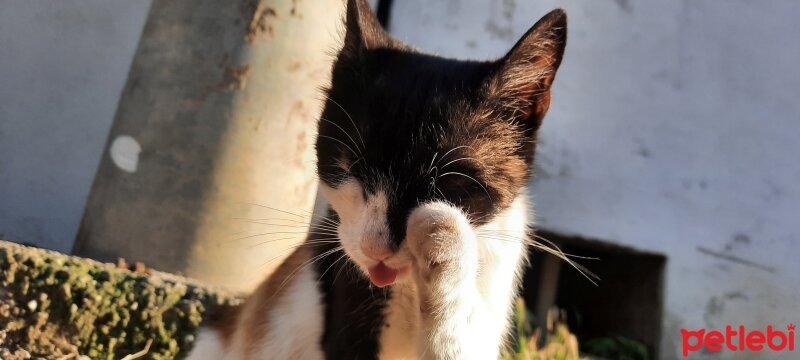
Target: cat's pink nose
<point>376,252</point>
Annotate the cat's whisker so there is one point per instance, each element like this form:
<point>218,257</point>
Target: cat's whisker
<point>311,260</point>
<point>270,241</point>
<point>319,217</point>
<point>238,233</point>
<point>351,120</point>
<point>329,223</point>
<point>482,217</point>
<point>341,142</point>
<point>348,266</point>
<point>316,243</point>
<point>507,236</point>
<point>433,188</point>
<point>305,221</point>
<point>440,192</point>
<point>283,232</point>
<point>322,240</point>
<point>309,217</point>
<point>320,226</point>
<point>459,159</point>
<point>307,263</point>
<point>325,227</point>
<point>312,232</point>
<point>342,267</point>
<point>307,239</point>
<point>312,226</point>
<point>309,228</point>
<point>345,133</point>
<point>559,249</point>
<point>451,150</point>
<point>430,167</point>
<point>283,251</point>
<point>580,268</point>
<point>237,236</point>
<point>471,178</point>
<point>305,217</point>
<point>280,255</point>
<point>557,252</point>
<point>299,245</point>
<point>349,168</point>
<point>331,265</point>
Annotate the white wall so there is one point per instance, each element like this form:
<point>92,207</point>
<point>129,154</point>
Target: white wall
<point>674,126</point>
<point>62,68</point>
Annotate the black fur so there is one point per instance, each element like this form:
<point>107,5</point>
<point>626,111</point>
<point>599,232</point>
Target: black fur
<point>354,309</point>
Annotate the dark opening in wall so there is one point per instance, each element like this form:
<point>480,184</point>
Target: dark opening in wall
<point>626,304</point>
<point>383,10</point>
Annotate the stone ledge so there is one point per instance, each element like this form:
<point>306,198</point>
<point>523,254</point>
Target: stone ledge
<point>55,306</point>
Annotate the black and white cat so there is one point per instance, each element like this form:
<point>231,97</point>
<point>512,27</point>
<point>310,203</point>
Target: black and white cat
<point>425,163</point>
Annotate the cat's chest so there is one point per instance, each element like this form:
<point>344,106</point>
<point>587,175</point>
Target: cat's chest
<point>401,327</point>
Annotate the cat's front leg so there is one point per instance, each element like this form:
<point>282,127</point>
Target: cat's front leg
<point>454,315</point>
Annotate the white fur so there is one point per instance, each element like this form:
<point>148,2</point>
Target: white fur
<point>399,335</point>
<point>295,327</point>
<point>297,324</point>
<point>207,347</point>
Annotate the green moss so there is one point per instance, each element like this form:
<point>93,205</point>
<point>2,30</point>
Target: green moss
<point>53,305</point>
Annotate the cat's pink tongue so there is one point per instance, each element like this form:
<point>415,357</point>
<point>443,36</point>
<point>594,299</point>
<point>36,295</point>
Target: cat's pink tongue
<point>382,275</point>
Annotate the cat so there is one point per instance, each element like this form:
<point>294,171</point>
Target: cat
<point>425,163</point>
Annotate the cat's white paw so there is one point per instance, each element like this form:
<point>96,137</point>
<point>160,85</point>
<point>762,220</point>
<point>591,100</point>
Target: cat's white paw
<point>443,244</point>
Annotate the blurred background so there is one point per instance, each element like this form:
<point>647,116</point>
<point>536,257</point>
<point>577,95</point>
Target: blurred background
<point>670,150</point>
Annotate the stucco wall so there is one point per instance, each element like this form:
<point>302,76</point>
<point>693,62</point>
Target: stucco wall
<point>62,67</point>
<point>674,128</point>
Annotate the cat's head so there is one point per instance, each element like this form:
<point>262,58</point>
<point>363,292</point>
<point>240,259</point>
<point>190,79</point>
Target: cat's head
<point>401,128</point>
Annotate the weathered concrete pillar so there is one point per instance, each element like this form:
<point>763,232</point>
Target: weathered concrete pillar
<point>216,124</point>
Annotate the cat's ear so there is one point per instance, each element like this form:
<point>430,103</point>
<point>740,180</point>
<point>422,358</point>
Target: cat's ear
<point>521,86</point>
<point>363,31</point>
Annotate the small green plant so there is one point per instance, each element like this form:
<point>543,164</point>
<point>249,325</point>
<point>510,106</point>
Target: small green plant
<point>560,343</point>
<point>616,347</point>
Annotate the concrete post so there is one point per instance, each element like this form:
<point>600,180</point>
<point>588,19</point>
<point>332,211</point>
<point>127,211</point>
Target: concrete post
<point>216,124</point>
